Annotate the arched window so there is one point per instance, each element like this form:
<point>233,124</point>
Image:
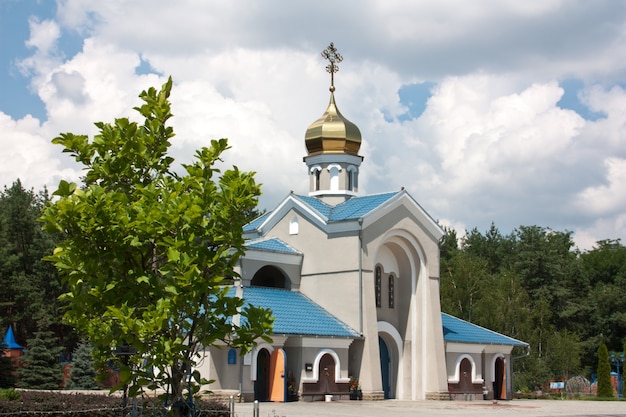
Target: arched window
<point>270,276</point>
<point>351,178</point>
<point>391,291</point>
<point>293,226</point>
<point>378,286</point>
<point>334,176</point>
<point>318,172</point>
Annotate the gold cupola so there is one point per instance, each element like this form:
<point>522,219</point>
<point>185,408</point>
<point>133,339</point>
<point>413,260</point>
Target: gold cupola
<point>332,143</point>
<point>332,133</point>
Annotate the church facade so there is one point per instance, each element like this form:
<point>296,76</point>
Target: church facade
<point>353,282</point>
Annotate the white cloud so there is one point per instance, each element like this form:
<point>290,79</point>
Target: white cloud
<point>491,145</point>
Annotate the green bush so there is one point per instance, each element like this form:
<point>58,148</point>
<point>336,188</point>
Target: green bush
<point>9,394</point>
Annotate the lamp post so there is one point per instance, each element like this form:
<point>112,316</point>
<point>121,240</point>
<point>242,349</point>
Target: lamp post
<point>618,360</point>
<point>125,352</point>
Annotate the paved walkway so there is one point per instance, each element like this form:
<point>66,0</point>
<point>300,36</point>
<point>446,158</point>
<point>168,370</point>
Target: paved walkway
<point>394,408</point>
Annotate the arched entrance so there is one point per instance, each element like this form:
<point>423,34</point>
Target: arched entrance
<point>499,383</point>
<point>465,376</point>
<point>385,367</point>
<point>327,374</point>
<point>262,383</point>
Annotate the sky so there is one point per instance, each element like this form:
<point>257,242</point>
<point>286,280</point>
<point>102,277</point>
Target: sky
<point>491,111</point>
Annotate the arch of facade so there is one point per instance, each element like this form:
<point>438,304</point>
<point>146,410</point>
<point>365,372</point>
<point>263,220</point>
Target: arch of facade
<point>393,340</point>
<point>410,262</point>
<point>316,364</point>
<point>457,369</point>
<point>271,276</point>
<point>255,356</point>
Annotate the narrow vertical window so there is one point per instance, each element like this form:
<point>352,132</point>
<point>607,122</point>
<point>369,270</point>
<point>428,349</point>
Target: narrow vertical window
<point>293,226</point>
<point>334,177</point>
<point>318,172</point>
<point>351,170</point>
<point>391,291</point>
<point>350,180</point>
<point>378,288</point>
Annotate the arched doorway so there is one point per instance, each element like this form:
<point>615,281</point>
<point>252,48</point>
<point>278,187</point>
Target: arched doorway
<point>327,374</point>
<point>465,376</point>
<point>499,383</point>
<point>262,383</point>
<point>385,367</point>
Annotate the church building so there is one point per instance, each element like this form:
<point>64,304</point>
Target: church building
<point>353,283</point>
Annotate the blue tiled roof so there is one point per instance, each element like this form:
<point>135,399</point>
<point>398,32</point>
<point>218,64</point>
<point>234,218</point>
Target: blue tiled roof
<point>272,245</point>
<point>461,331</point>
<point>254,224</point>
<point>352,208</point>
<point>9,340</point>
<point>295,314</point>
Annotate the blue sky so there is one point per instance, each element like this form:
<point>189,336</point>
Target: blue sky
<point>506,111</point>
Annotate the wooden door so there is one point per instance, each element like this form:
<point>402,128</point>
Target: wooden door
<point>261,385</point>
<point>327,374</point>
<point>278,372</point>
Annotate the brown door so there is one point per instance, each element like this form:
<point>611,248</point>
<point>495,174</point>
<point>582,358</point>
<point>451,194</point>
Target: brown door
<point>465,377</point>
<point>499,385</point>
<point>327,374</point>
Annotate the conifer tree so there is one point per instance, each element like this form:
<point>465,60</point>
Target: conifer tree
<point>605,389</point>
<point>7,370</point>
<point>83,372</point>
<point>40,366</point>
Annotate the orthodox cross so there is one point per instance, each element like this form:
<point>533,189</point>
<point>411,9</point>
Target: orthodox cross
<point>334,58</point>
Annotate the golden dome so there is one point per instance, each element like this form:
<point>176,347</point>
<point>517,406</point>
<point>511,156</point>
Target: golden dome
<point>332,133</point>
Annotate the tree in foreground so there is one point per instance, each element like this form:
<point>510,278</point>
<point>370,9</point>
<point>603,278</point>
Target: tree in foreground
<point>146,250</point>
<point>83,372</point>
<point>40,367</point>
<point>605,389</point>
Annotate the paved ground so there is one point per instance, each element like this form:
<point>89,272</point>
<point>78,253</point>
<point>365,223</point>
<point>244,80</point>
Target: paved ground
<point>525,408</point>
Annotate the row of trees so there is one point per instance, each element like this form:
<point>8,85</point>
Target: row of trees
<point>534,285</point>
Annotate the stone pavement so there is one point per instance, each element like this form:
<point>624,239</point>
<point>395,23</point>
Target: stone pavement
<point>525,408</point>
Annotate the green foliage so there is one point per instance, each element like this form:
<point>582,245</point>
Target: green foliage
<point>9,394</point>
<point>7,370</point>
<point>145,250</point>
<point>605,389</point>
<point>83,372</point>
<point>40,367</point>
<point>30,286</point>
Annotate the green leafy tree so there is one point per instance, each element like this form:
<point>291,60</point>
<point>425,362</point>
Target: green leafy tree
<point>605,389</point>
<point>462,279</point>
<point>83,372</point>
<point>146,250</point>
<point>40,367</point>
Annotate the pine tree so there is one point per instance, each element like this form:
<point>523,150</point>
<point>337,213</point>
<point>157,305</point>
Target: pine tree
<point>40,366</point>
<point>605,389</point>
<point>7,371</point>
<point>83,373</point>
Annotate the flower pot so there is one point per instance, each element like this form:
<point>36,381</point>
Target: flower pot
<point>356,395</point>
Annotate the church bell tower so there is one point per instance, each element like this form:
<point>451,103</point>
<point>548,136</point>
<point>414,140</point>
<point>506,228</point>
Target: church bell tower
<point>332,144</point>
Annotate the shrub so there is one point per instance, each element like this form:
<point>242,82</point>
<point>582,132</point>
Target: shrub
<point>9,394</point>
